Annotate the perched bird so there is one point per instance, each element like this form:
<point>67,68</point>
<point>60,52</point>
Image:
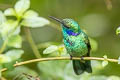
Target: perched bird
<point>77,44</point>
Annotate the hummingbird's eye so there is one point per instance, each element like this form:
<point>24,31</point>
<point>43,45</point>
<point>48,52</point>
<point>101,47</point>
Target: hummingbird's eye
<point>67,26</point>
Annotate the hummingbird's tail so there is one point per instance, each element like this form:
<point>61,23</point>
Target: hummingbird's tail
<point>81,66</point>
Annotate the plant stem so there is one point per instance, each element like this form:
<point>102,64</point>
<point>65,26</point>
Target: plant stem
<point>3,46</point>
<point>32,43</point>
<point>61,58</point>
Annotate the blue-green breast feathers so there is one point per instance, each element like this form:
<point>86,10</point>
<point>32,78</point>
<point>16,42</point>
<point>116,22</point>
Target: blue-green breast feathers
<point>76,45</point>
<point>74,38</point>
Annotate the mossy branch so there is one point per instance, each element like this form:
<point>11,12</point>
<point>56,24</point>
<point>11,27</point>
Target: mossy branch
<point>60,58</point>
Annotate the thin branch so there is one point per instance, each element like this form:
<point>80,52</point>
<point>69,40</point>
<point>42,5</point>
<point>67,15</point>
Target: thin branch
<point>61,58</point>
<point>32,43</point>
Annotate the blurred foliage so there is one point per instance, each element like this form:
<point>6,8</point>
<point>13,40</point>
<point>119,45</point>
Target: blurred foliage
<point>118,31</point>
<point>99,18</point>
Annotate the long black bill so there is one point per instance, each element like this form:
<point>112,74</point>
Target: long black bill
<point>58,20</point>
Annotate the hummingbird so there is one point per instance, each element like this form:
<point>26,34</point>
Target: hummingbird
<point>76,43</point>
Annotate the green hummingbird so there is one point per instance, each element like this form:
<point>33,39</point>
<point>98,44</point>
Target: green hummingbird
<point>77,44</point>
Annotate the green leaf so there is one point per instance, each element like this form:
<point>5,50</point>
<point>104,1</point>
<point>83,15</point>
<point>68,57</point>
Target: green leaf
<point>9,12</point>
<point>113,78</point>
<point>119,60</point>
<point>50,49</point>
<point>30,13</point>
<point>35,22</point>
<point>7,28</point>
<point>2,18</point>
<point>21,6</point>
<point>118,31</point>
<point>4,58</point>
<point>14,54</point>
<point>15,41</point>
<point>104,63</point>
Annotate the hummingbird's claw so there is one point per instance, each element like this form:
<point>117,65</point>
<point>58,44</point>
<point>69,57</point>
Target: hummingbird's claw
<point>70,57</point>
<point>82,58</point>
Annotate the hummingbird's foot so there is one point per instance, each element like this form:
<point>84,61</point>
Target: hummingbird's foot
<point>82,58</point>
<point>70,57</point>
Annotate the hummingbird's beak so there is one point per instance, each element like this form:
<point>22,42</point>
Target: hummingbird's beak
<point>58,20</point>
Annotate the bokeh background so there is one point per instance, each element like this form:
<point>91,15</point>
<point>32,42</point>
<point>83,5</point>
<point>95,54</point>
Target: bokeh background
<point>98,18</point>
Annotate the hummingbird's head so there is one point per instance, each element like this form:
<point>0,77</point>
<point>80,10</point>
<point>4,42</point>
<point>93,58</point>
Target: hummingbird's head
<point>68,24</point>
